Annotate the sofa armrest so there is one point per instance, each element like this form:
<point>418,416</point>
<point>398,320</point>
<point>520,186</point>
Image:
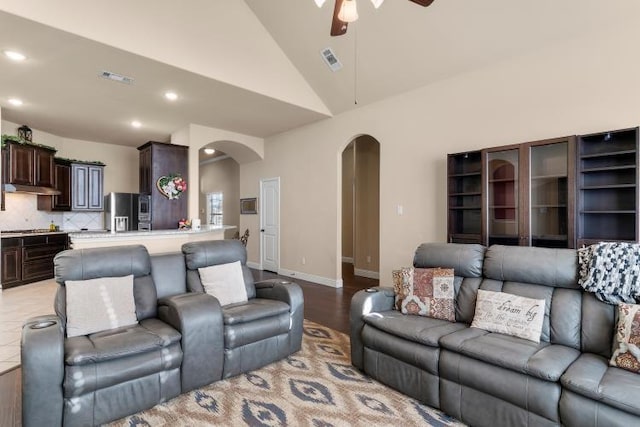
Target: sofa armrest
<point>198,317</point>
<point>42,360</point>
<point>363,302</point>
<point>290,293</point>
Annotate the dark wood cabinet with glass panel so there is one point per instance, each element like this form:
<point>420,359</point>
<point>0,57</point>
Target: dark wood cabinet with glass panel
<point>608,187</point>
<point>529,194</point>
<point>464,175</point>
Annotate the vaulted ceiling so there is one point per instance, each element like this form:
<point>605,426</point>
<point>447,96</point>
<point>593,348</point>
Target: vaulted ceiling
<point>254,66</point>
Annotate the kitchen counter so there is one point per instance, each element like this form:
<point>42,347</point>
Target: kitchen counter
<point>4,234</point>
<point>156,241</point>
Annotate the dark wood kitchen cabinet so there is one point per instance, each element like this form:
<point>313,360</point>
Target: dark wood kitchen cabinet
<point>62,183</point>
<point>30,258</point>
<point>28,165</point>
<point>87,187</point>
<point>11,262</point>
<point>157,160</point>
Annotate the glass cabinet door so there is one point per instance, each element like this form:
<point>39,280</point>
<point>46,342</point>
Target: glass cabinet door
<point>502,177</point>
<point>548,210</point>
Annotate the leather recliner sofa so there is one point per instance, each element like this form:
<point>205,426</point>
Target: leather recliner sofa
<point>176,346</point>
<point>490,379</point>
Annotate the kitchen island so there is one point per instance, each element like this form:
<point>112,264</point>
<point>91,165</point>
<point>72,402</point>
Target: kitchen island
<point>156,241</point>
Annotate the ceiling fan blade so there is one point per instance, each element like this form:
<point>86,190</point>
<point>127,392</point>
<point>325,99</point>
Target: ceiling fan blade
<point>424,3</point>
<point>338,27</point>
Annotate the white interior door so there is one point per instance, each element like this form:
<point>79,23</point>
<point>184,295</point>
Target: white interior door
<point>270,224</point>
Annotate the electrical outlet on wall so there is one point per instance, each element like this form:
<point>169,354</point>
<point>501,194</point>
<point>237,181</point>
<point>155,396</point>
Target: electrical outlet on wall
<point>303,260</point>
<point>368,259</point>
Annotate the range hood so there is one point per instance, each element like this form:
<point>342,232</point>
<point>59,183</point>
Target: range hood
<point>32,189</point>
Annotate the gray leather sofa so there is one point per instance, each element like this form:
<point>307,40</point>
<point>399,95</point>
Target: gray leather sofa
<point>176,347</point>
<point>491,379</point>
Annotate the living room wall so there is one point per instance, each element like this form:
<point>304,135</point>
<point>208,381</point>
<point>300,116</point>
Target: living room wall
<point>583,85</point>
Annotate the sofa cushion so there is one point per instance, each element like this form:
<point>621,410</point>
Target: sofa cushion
<point>540,266</point>
<point>225,282</point>
<point>626,352</point>
<point>426,292</point>
<point>509,314</point>
<point>422,330</point>
<point>100,304</point>
<point>149,335</point>
<point>591,376</point>
<point>254,309</point>
<point>542,360</point>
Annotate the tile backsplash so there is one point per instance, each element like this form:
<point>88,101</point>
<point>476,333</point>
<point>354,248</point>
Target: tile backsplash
<point>21,212</point>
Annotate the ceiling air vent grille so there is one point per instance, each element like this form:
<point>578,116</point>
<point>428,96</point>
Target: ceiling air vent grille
<point>116,77</point>
<point>331,59</point>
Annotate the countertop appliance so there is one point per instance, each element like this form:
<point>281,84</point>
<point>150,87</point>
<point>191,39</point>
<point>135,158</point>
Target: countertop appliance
<point>121,212</point>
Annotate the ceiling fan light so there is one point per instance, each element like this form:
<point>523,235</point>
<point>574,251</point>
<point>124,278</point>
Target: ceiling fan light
<point>377,3</point>
<point>348,11</point>
<point>319,3</point>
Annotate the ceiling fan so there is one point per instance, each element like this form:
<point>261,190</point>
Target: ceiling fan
<point>345,12</point>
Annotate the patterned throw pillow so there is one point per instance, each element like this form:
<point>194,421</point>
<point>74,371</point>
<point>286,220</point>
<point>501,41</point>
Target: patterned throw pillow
<point>626,353</point>
<point>426,292</point>
<point>509,314</point>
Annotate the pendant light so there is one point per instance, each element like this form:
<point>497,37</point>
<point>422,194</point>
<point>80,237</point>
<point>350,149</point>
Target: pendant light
<point>319,3</point>
<point>377,3</point>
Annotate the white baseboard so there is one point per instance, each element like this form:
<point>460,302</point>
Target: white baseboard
<point>347,259</point>
<point>254,265</point>
<point>366,273</point>
<point>311,278</point>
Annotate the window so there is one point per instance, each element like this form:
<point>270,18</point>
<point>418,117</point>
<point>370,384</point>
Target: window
<point>214,204</point>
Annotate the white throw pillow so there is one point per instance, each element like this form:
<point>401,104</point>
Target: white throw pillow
<point>99,304</point>
<point>225,282</point>
<point>509,314</point>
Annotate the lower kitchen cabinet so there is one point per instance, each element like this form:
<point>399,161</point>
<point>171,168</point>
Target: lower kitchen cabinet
<point>30,259</point>
<point>11,264</point>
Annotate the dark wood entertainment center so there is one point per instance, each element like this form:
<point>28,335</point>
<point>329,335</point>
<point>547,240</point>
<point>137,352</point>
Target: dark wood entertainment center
<point>563,192</point>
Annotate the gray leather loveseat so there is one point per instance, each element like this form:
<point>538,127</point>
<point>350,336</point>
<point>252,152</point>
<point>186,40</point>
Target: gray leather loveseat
<point>490,379</point>
<point>178,344</point>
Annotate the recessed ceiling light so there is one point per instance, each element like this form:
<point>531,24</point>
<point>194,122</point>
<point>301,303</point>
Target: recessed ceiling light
<point>209,151</point>
<point>171,96</point>
<point>136,124</point>
<point>13,55</point>
<point>15,101</point>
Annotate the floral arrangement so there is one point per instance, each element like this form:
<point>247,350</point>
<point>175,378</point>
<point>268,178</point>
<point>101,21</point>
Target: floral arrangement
<point>184,224</point>
<point>171,186</point>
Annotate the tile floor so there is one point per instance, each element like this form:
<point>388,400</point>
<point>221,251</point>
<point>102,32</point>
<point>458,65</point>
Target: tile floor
<point>17,305</point>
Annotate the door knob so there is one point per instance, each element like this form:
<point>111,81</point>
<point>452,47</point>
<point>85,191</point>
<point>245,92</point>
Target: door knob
<point>262,230</point>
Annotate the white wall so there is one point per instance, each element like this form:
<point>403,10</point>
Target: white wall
<point>584,85</point>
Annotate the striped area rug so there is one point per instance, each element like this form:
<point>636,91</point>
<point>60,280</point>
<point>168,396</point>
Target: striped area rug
<point>316,387</point>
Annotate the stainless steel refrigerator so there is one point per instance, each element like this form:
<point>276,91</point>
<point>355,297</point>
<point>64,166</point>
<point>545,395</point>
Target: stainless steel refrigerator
<point>121,212</point>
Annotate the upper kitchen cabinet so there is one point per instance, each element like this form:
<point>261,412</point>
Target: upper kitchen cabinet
<point>530,194</point>
<point>87,187</point>
<point>160,164</point>
<point>464,176</point>
<point>608,187</point>
<point>28,164</point>
<point>62,183</point>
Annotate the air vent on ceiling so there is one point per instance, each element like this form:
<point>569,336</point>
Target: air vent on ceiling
<point>117,77</point>
<point>331,59</point>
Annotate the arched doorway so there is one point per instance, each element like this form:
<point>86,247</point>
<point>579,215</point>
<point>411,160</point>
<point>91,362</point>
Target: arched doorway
<point>361,208</point>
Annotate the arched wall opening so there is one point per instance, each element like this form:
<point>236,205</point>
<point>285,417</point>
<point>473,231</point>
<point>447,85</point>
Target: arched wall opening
<point>360,212</point>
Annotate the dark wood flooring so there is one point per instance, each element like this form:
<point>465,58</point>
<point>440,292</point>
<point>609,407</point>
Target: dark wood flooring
<point>322,304</point>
